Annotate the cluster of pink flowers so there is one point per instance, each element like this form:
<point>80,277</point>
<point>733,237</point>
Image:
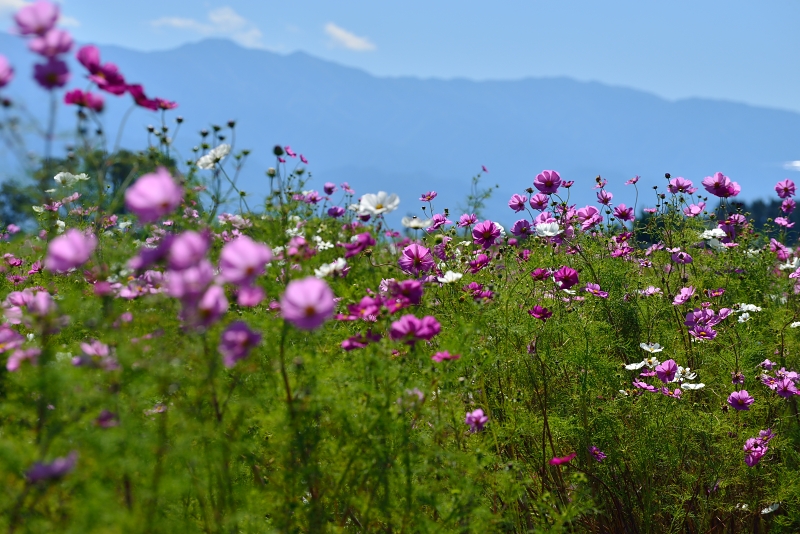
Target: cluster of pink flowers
<point>701,321</point>
<point>782,382</point>
<point>756,448</point>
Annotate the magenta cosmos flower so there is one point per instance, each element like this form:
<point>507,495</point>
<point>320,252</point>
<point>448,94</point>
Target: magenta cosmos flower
<point>485,234</point>
<point>721,186</point>
<point>476,420</point>
<point>517,202</point>
<point>538,312</point>
<point>52,74</point>
<point>740,400</point>
<point>410,329</point>
<point>56,469</point>
<point>69,251</point>
<point>547,182</point>
<point>242,260</point>
<point>785,188</point>
<point>416,259</point>
<point>666,370</point>
<point>37,18</point>
<point>236,342</point>
<point>681,185</point>
<point>85,100</point>
<point>307,303</point>
<point>6,71</point>
<point>566,277</point>
<point>560,460</point>
<point>153,196</point>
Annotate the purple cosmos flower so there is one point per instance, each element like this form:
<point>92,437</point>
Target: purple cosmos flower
<point>485,234</point>
<point>785,188</point>
<point>740,400</point>
<point>787,206</point>
<point>547,182</point>
<point>522,228</point>
<point>681,257</point>
<point>538,312</point>
<point>416,259</point>
<point>329,188</point>
<point>236,342</point>
<point>596,453</point>
<point>437,221</point>
<point>595,290</point>
<point>69,251</point>
<point>358,245</point>
<point>517,202</point>
<point>632,180</point>
<point>703,332</point>
<point>242,261</point>
<point>307,303</point>
<point>52,74</point>
<point>336,211</point>
<point>55,469</point>
<point>754,450</point>
<point>427,197</point>
<point>560,460</point>
<point>665,371</point>
<point>565,277</point>
<point>785,387</point>
<point>212,305</point>
<point>588,216</point>
<point>476,420</point>
<point>188,249</point>
<point>153,196</point>
<point>85,100</point>
<point>539,201</point>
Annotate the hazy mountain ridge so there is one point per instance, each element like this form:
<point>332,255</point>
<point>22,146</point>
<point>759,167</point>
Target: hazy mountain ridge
<point>408,135</point>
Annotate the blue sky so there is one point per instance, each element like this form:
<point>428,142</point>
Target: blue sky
<point>735,50</point>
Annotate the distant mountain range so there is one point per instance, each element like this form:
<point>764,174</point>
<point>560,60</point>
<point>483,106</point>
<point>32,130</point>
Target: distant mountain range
<point>410,135</point>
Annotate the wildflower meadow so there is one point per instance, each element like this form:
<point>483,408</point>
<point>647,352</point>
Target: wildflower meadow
<point>180,356</point>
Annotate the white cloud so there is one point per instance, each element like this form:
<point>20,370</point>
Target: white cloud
<point>792,165</point>
<point>223,21</point>
<point>346,39</point>
<point>9,6</point>
<point>68,21</point>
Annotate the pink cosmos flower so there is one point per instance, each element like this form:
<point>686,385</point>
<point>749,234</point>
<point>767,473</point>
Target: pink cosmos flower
<point>85,100</point>
<point>69,251</point>
<point>595,290</point>
<point>547,182</point>
<point>6,71</point>
<point>476,420</point>
<point>427,197</point>
<point>329,188</point>
<point>604,197</point>
<point>108,79</point>
<point>242,261</point>
<point>681,257</point>
<point>416,259</point>
<point>187,249</point>
<point>721,186</point>
<point>52,43</point>
<point>560,460</point>
<point>190,284</point>
<point>52,74</point>
<point>444,355</point>
<point>153,196</point>
<point>212,305</point>
<point>785,188</point>
<point>307,303</point>
<point>236,342</point>
<point>249,297</point>
<point>9,339</point>
<point>681,185</point>
<point>632,180</point>
<point>522,228</point>
<point>539,201</point>
<point>359,245</point>
<point>410,329</point>
<point>37,18</point>
<point>589,216</point>
<point>787,206</point>
<point>624,213</point>
<point>517,202</point>
<point>437,221</point>
<point>596,453</point>
<point>740,400</point>
<point>683,295</point>
<point>485,234</point>
<point>467,220</point>
<point>694,210</point>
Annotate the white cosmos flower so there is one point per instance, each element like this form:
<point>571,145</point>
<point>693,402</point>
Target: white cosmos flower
<point>634,366</point>
<point>714,233</point>
<point>652,348</point>
<point>548,229</point>
<point>794,324</point>
<point>328,269</point>
<point>415,222</point>
<point>743,318</point>
<point>38,209</point>
<point>790,265</point>
<point>61,226</point>
<point>450,277</point>
<point>742,307</point>
<point>214,155</point>
<point>683,373</point>
<point>693,386</point>
<point>66,179</point>
<point>375,204</point>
